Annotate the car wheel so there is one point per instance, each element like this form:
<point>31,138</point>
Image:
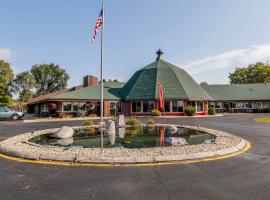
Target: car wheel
<point>15,117</point>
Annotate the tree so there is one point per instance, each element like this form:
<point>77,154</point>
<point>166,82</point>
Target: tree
<point>23,85</point>
<point>49,78</point>
<point>203,83</point>
<point>6,76</point>
<point>253,73</point>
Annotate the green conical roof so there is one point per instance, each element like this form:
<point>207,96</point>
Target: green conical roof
<point>176,83</point>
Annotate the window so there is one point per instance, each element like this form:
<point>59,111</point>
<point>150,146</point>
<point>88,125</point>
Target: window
<point>137,106</point>
<point>192,103</point>
<point>76,106</point>
<point>148,106</point>
<point>177,106</point>
<point>265,104</point>
<point>248,104</point>
<point>218,105</point>
<point>258,104</point>
<point>67,106</point>
<point>232,105</point>
<point>119,107</point>
<point>239,105</point>
<point>3,110</point>
<point>199,106</point>
<point>167,105</point>
<point>44,107</point>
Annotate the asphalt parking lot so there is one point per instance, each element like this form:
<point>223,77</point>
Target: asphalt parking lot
<point>246,176</point>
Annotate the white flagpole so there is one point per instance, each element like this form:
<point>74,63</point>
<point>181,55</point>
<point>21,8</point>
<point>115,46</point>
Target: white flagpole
<point>101,76</point>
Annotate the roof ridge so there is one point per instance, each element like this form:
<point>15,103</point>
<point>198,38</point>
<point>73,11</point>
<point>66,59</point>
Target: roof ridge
<point>156,86</point>
<point>181,82</point>
<point>130,91</point>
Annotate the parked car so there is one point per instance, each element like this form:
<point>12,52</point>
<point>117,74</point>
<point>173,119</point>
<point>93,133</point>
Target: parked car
<point>7,113</point>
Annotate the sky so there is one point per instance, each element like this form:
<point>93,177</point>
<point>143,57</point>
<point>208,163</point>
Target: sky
<point>208,38</point>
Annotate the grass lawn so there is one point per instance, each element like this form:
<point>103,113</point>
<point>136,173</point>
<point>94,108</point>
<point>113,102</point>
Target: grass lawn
<point>263,120</point>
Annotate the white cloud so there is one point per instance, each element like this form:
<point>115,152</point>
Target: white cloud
<point>5,54</point>
<point>234,58</point>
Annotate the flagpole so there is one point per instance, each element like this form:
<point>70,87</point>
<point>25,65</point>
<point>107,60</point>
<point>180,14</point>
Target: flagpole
<point>101,76</point>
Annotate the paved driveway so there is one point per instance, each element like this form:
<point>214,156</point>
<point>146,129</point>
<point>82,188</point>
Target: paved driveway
<point>246,176</point>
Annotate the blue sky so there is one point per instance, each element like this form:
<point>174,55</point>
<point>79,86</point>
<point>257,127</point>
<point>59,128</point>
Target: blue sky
<point>208,38</point>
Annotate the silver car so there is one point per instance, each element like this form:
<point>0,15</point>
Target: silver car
<point>6,113</point>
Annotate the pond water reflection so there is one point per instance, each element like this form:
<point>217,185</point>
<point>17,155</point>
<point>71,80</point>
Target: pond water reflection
<point>139,137</point>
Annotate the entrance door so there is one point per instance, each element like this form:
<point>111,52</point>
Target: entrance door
<point>226,107</point>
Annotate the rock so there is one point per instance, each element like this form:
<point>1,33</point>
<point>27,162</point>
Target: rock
<point>172,129</point>
<point>121,132</point>
<point>110,130</point>
<point>64,132</point>
<point>176,141</point>
<point>110,127</point>
<point>112,138</point>
<point>121,120</point>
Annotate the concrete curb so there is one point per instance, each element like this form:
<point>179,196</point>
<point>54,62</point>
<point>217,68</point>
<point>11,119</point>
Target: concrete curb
<point>33,151</point>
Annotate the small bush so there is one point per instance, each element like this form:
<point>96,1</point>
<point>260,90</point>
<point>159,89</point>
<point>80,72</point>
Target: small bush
<point>211,111</point>
<point>88,122</point>
<point>67,116</point>
<point>80,113</point>
<point>156,112</point>
<point>114,119</point>
<point>258,110</point>
<point>151,122</point>
<point>132,122</point>
<point>266,110</point>
<point>190,111</point>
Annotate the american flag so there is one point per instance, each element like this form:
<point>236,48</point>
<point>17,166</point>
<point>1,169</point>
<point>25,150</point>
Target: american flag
<point>98,24</point>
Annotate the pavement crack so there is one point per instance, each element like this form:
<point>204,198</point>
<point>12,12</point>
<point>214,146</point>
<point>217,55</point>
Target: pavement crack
<point>159,180</point>
<point>261,154</point>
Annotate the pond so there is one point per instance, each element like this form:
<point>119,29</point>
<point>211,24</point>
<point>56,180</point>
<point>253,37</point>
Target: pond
<point>139,137</point>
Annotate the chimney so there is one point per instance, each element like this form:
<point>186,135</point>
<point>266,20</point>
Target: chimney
<point>90,81</point>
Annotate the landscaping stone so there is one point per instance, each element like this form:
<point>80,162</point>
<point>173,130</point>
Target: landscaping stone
<point>64,132</point>
<point>121,120</point>
<point>110,127</point>
<point>19,146</point>
<point>121,132</point>
<point>172,129</point>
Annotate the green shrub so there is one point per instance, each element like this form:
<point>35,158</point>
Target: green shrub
<point>258,110</point>
<point>88,122</point>
<point>151,122</point>
<point>266,110</point>
<point>156,112</point>
<point>132,122</point>
<point>190,111</point>
<point>114,119</point>
<point>211,111</point>
<point>80,113</point>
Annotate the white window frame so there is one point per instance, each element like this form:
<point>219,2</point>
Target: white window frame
<point>197,107</point>
<point>71,110</point>
<point>254,103</point>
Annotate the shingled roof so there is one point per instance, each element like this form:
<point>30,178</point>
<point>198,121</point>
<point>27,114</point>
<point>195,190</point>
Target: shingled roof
<point>176,83</point>
<point>259,91</point>
<point>111,92</point>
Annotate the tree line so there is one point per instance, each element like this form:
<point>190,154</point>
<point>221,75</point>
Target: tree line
<point>41,79</point>
<point>47,78</point>
<point>253,73</point>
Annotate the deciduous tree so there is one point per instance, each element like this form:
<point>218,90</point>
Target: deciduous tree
<point>253,73</point>
<point>23,84</point>
<point>49,78</point>
<point>6,76</point>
